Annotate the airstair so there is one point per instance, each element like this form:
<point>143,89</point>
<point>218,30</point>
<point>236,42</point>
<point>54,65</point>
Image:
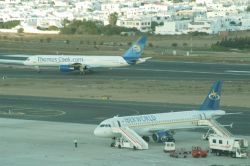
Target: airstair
<point>216,127</point>
<point>131,136</point>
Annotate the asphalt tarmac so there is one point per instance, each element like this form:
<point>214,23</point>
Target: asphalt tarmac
<point>42,143</point>
<point>94,111</point>
<point>151,70</point>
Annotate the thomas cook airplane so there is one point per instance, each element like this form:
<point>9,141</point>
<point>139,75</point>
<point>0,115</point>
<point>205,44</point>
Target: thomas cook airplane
<point>134,128</point>
<point>82,63</point>
<point>67,63</point>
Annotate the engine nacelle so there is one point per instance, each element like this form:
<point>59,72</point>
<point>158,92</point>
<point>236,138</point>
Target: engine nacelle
<point>66,68</point>
<point>162,137</point>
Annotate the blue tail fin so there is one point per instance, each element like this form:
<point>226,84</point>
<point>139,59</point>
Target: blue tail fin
<point>212,101</point>
<point>135,51</point>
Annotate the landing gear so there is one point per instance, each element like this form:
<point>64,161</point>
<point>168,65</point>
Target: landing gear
<point>233,155</point>
<point>146,138</point>
<point>217,153</point>
<point>81,67</point>
<point>82,70</point>
<point>37,68</point>
<point>112,144</point>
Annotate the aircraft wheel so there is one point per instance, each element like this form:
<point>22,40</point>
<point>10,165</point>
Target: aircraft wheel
<point>233,155</point>
<point>112,144</point>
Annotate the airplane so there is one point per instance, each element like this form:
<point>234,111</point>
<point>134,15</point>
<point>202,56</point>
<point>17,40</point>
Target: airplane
<point>158,126</point>
<point>67,63</point>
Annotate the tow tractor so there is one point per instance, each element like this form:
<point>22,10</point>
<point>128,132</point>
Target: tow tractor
<point>235,147</point>
<point>198,152</point>
<point>169,147</point>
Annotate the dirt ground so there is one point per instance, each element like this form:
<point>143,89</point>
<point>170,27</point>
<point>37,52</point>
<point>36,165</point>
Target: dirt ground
<point>235,93</point>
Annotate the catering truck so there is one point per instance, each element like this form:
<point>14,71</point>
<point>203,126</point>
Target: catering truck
<point>235,147</point>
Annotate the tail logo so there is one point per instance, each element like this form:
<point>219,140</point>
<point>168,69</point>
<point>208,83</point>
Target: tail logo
<point>136,48</point>
<point>214,96</point>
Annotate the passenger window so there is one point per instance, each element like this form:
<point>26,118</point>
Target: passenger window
<point>220,141</point>
<point>214,140</point>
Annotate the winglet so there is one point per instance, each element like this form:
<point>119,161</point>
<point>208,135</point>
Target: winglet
<point>212,101</point>
<point>135,51</point>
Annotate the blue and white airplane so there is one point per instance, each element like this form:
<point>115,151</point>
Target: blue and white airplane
<point>159,125</point>
<point>68,63</point>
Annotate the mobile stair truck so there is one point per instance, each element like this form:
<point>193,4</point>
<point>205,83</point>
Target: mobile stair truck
<point>129,139</point>
<point>235,147</point>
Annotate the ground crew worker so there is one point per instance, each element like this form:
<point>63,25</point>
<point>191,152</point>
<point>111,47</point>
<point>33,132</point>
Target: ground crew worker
<point>75,142</point>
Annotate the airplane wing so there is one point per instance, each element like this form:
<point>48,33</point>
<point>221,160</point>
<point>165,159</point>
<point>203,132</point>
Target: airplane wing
<point>142,60</point>
<point>168,129</point>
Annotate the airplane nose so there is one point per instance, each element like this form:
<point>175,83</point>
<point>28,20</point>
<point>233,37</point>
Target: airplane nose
<point>97,132</point>
<point>26,62</point>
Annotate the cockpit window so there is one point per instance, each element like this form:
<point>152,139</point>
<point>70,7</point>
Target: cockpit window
<point>105,125</point>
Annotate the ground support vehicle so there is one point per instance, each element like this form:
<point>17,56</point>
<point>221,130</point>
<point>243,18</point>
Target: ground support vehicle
<point>181,153</point>
<point>198,152</point>
<point>169,147</point>
<point>235,147</point>
<point>121,143</point>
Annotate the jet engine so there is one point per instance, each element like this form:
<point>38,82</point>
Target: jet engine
<point>66,68</point>
<point>160,137</point>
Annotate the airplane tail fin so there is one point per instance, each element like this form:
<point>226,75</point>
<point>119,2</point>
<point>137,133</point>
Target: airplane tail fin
<point>212,101</point>
<point>135,51</point>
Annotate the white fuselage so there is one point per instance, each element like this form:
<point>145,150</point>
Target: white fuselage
<point>89,61</point>
<point>145,125</point>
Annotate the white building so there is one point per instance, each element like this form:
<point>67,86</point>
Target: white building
<point>246,22</point>
<point>86,6</point>
<point>204,1</point>
<point>207,26</point>
<point>143,24</point>
<point>111,7</point>
<point>13,1</point>
<point>173,28</point>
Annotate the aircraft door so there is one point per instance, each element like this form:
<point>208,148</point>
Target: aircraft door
<point>117,124</point>
<point>203,116</point>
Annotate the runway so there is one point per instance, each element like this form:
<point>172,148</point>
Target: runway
<point>94,111</point>
<point>151,70</point>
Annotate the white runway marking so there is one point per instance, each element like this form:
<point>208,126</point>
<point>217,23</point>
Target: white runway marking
<point>237,71</point>
<point>189,71</point>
